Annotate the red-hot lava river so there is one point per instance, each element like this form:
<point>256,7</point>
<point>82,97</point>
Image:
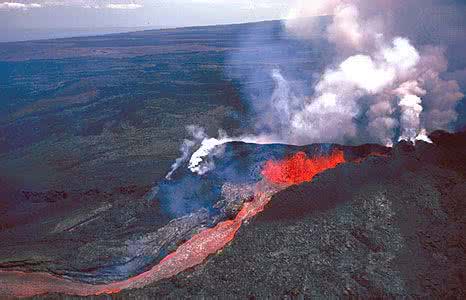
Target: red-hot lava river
<point>277,175</point>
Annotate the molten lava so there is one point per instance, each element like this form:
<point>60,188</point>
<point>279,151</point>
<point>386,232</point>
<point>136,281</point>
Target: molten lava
<point>299,168</point>
<point>278,174</point>
<point>189,254</point>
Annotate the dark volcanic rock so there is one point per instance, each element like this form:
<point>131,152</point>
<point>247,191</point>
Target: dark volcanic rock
<point>103,236</point>
<point>48,196</point>
<point>92,229</point>
<point>387,227</point>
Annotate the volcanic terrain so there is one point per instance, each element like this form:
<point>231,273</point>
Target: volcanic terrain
<point>319,220</point>
<point>377,228</point>
<point>90,127</point>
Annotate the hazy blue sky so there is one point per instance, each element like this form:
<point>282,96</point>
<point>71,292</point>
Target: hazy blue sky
<point>33,19</point>
<point>133,13</point>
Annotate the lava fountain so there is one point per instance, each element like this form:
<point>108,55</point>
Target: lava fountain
<point>299,168</point>
<point>277,175</point>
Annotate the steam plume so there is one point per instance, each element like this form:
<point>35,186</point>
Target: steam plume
<point>202,161</point>
<point>378,75</point>
<point>385,73</point>
<point>198,136</point>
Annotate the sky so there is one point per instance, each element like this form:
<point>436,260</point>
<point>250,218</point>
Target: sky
<point>53,14</point>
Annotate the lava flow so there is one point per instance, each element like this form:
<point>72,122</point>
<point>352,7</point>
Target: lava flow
<point>277,176</point>
<point>189,254</point>
<point>299,168</point>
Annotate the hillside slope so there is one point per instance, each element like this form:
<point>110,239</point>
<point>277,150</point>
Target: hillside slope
<point>375,229</point>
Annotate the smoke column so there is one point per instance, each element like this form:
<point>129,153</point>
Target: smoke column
<point>198,136</point>
<point>377,74</point>
<point>377,70</point>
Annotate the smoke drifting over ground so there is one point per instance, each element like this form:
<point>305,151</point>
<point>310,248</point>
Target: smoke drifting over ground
<point>381,84</point>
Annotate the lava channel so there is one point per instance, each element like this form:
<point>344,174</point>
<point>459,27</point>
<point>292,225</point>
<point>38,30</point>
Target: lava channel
<point>277,175</point>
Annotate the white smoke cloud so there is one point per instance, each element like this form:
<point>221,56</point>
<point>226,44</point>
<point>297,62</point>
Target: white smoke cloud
<point>377,74</point>
<point>185,149</point>
<point>329,115</point>
<point>198,136</point>
<point>202,161</point>
<point>387,76</point>
<point>410,106</point>
<point>346,31</point>
<point>382,124</point>
<point>442,96</point>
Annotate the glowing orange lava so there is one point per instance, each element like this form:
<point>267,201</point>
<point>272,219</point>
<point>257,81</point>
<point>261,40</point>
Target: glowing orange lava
<point>189,254</point>
<point>278,174</point>
<point>299,168</point>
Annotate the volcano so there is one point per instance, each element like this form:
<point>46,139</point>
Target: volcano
<point>317,220</point>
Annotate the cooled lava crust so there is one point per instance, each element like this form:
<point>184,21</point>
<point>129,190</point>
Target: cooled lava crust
<point>390,225</point>
<point>385,227</point>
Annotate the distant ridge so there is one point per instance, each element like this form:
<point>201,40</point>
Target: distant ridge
<point>14,35</point>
